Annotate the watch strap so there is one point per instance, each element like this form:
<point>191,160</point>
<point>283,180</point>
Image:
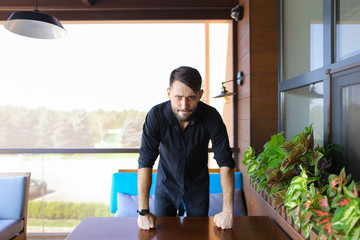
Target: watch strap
<point>143,212</point>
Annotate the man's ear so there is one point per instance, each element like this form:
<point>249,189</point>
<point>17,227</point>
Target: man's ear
<point>168,92</point>
<point>201,93</point>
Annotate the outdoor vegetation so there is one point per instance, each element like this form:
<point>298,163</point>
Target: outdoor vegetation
<point>21,127</point>
<point>64,214</point>
<point>310,183</point>
<point>67,210</point>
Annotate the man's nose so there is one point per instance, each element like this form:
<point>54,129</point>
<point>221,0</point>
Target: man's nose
<point>184,103</point>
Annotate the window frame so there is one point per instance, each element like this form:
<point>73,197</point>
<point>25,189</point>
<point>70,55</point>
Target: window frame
<point>321,74</point>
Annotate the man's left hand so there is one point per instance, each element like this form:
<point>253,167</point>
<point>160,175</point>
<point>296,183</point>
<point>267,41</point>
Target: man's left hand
<point>224,220</point>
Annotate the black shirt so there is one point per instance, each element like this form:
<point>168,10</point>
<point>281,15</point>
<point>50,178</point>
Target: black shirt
<point>182,169</point>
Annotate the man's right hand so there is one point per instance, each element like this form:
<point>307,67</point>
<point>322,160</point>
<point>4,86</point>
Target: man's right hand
<point>147,222</point>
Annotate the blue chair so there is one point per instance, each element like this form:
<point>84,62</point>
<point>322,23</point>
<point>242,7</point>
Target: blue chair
<point>124,191</point>
<point>215,191</point>
<point>123,199</point>
<point>14,194</point>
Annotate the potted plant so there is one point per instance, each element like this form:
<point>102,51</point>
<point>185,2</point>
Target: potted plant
<point>333,210</point>
<point>296,174</point>
<point>279,162</point>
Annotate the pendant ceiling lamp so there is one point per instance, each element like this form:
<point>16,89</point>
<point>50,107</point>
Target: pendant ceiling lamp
<point>35,24</point>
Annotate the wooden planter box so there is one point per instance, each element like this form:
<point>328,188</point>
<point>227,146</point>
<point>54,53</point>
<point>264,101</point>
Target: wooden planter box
<point>260,204</point>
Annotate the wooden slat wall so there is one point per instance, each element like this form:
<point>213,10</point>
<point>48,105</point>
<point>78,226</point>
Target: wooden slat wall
<point>258,97</point>
<point>258,58</point>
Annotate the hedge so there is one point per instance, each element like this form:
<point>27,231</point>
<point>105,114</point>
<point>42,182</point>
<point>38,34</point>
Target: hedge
<point>67,210</point>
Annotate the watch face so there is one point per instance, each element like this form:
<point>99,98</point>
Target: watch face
<point>143,212</point>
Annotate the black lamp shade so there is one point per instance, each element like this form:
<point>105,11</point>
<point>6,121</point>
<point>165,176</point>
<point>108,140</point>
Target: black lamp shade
<point>224,93</point>
<point>35,24</point>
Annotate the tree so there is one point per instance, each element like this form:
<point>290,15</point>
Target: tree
<point>46,128</point>
<point>132,130</point>
<point>82,134</point>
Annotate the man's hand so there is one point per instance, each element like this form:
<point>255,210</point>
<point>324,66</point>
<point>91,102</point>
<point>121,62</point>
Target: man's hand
<point>224,220</point>
<point>147,222</point>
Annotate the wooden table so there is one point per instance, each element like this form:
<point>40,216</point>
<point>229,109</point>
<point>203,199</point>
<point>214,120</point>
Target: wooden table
<point>173,228</point>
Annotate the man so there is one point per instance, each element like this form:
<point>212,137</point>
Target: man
<point>179,130</point>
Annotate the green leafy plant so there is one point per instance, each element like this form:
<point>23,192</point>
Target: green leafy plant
<point>346,202</point>
<point>260,167</point>
<point>304,202</point>
<point>296,173</point>
<point>333,210</point>
<point>275,167</point>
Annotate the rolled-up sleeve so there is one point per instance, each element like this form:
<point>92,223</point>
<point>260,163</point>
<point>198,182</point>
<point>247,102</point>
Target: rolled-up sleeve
<point>150,140</point>
<point>220,143</point>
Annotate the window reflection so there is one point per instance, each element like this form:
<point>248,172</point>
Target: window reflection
<point>350,127</point>
<point>302,39</point>
<point>302,107</point>
<point>347,29</point>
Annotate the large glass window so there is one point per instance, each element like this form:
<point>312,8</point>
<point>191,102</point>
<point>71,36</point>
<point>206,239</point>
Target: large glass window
<point>347,29</point>
<point>302,37</point>
<point>302,107</point>
<point>93,88</point>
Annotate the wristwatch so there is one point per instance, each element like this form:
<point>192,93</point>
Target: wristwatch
<point>143,212</point>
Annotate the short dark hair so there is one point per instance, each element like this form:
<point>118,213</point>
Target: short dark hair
<point>187,75</point>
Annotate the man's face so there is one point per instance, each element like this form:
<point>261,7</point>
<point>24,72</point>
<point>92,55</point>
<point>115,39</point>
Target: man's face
<point>184,100</point>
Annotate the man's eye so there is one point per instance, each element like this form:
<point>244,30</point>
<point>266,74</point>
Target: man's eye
<point>178,97</point>
<point>191,98</point>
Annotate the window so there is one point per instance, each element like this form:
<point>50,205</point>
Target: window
<point>302,28</point>
<point>89,93</point>
<point>347,29</point>
<point>93,88</point>
<point>323,94</point>
<point>346,117</point>
<point>302,107</point>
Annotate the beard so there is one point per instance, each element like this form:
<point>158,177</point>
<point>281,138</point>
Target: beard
<point>180,117</point>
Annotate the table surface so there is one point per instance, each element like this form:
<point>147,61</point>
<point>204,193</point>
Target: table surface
<point>173,228</point>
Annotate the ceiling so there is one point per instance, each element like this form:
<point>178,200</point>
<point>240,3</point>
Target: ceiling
<point>123,9</point>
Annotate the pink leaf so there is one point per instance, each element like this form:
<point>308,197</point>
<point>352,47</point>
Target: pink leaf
<point>321,213</point>
<point>343,202</point>
<point>323,202</point>
<point>334,182</point>
<point>342,175</point>
<point>325,220</point>
<point>328,228</point>
<point>355,191</point>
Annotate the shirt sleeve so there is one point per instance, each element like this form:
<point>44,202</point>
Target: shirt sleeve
<point>220,141</point>
<point>150,140</point>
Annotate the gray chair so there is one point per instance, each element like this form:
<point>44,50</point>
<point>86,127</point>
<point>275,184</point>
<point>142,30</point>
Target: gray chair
<point>14,195</point>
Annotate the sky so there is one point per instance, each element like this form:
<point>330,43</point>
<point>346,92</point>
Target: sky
<point>100,66</point>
